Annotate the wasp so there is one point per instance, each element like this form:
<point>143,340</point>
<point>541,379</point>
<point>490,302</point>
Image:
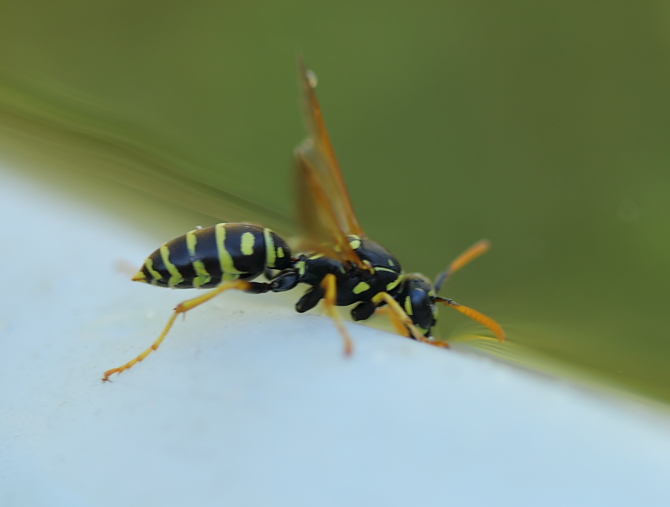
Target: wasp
<point>343,266</point>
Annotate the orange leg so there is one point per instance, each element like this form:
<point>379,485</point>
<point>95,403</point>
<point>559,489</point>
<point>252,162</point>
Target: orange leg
<point>182,307</point>
<point>400,318</point>
<point>329,285</point>
<point>397,325</point>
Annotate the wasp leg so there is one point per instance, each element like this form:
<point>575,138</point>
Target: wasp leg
<point>397,325</point>
<point>366,309</point>
<point>363,311</point>
<point>329,286</point>
<point>400,318</point>
<point>475,315</point>
<point>185,306</point>
<point>286,280</point>
<point>309,299</point>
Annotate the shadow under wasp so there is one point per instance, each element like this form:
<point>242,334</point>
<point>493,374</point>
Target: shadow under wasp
<point>343,267</point>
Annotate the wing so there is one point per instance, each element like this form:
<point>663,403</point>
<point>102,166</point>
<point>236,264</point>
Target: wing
<point>325,210</point>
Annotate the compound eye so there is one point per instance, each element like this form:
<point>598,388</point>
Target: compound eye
<point>423,309</point>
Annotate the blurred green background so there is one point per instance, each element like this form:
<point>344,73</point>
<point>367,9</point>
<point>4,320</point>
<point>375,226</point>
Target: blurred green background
<point>542,126</point>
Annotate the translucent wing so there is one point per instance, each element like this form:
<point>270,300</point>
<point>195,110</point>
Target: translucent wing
<point>325,210</point>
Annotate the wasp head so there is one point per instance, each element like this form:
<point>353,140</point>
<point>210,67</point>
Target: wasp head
<point>416,295</point>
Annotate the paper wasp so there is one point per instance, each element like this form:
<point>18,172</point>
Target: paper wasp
<point>343,267</point>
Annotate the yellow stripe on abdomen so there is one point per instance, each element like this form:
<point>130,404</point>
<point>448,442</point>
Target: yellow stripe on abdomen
<point>228,270</point>
<point>202,276</point>
<point>175,276</point>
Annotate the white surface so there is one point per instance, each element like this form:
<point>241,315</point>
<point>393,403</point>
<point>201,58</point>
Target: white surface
<point>248,403</point>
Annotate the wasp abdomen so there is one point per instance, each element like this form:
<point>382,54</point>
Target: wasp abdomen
<point>206,257</point>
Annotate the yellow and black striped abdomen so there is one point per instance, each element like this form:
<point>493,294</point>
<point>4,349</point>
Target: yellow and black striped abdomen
<point>206,257</point>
